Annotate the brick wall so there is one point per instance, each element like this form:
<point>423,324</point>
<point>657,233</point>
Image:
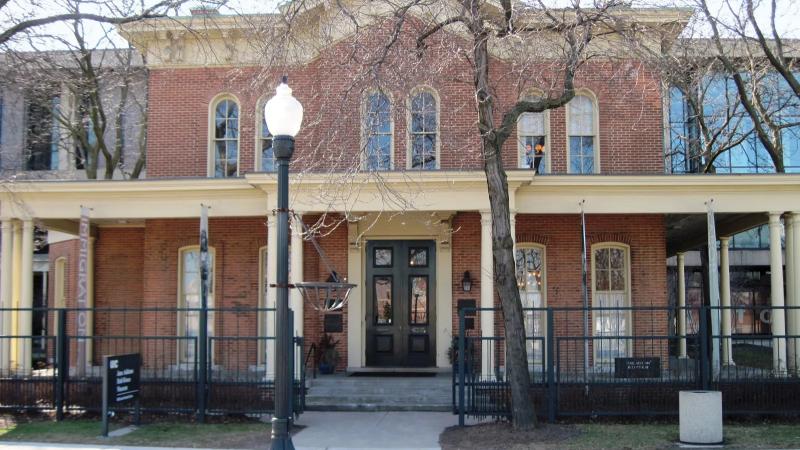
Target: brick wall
<point>332,87</point>
<point>118,283</point>
<point>139,267</point>
<point>561,235</point>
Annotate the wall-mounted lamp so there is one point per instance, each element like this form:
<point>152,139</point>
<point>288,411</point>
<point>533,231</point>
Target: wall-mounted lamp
<point>466,282</point>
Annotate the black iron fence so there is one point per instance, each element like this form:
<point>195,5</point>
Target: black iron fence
<point>630,361</point>
<point>59,368</point>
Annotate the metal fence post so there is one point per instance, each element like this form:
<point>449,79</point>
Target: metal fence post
<point>552,392</point>
<point>202,366</point>
<point>290,331</point>
<point>62,365</point>
<point>461,367</point>
<point>704,363</point>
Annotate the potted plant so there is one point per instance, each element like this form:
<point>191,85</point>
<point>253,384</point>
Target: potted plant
<point>327,356</point>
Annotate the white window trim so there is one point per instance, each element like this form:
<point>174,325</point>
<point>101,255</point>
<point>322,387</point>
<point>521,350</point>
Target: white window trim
<point>596,123</point>
<point>629,313</point>
<point>363,148</point>
<point>179,327</point>
<point>211,138</point>
<point>543,290</point>
<point>259,115</point>
<point>527,94</point>
<point>409,144</point>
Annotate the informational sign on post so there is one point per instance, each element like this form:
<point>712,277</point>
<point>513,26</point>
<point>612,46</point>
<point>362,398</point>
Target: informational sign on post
<point>121,374</point>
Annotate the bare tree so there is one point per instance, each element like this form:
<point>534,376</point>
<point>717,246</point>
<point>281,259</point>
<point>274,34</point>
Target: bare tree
<point>21,19</point>
<point>542,47</point>
<point>751,62</point>
<point>83,79</point>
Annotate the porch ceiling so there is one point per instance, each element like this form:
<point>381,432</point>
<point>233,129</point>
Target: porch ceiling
<point>688,231</point>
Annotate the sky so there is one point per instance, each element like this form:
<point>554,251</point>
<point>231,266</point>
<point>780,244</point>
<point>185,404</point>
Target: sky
<point>103,36</point>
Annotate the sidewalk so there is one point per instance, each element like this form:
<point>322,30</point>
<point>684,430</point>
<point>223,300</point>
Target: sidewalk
<point>329,431</point>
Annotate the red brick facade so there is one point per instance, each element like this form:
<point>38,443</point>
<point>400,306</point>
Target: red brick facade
<point>139,267</point>
<point>629,108</point>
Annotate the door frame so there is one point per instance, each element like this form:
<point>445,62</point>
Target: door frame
<point>412,225</point>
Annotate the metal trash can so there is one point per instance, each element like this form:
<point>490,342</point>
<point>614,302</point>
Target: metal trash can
<point>700,417</point>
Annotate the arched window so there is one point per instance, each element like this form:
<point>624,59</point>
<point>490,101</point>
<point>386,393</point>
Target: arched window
<point>266,156</point>
<point>424,130</point>
<point>532,131</point>
<point>189,300</point>
<point>582,130</point>
<point>611,289</point>
<point>530,273</point>
<point>377,132</point>
<point>225,138</point>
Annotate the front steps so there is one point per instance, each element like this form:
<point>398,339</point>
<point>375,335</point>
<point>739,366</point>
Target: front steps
<point>377,393</point>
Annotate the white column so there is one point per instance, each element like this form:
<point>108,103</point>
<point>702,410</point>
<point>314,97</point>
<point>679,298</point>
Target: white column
<point>16,277</point>
<point>444,294</point>
<point>355,306</point>
<point>296,272</point>
<point>789,261</point>
<point>6,256</point>
<point>796,286</point>
<point>487,294</point>
<point>26,297</point>
<point>776,293</point>
<point>725,300</point>
<point>272,274</point>
<point>682,304</point>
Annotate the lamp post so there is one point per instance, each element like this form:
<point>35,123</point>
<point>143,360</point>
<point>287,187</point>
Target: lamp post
<point>283,114</point>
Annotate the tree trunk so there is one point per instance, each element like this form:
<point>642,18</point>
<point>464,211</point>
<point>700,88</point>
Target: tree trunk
<point>522,409</point>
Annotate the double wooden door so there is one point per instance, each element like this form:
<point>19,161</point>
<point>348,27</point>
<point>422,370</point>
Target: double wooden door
<point>400,287</point>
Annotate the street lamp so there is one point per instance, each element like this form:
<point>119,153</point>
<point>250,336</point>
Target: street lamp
<point>284,115</point>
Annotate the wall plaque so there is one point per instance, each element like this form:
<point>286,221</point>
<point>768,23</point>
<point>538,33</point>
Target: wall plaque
<point>637,367</point>
<point>333,323</point>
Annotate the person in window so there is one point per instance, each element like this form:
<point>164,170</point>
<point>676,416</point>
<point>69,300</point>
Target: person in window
<point>538,154</point>
<point>529,155</point>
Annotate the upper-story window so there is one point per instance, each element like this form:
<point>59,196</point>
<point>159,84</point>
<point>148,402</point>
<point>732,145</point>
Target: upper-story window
<point>43,135</point>
<point>582,130</point>
<point>377,132</point>
<point>424,130</point>
<point>267,155</point>
<point>225,138</point>
<point>730,135</point>
<point>532,137</point>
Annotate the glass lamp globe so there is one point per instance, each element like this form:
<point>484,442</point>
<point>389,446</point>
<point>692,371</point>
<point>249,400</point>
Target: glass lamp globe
<point>283,113</point>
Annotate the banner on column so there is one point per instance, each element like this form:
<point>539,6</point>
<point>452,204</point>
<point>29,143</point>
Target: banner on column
<point>82,300</point>
<point>713,287</point>
<point>205,285</point>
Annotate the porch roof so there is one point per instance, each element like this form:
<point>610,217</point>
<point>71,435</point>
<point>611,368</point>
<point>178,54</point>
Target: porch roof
<point>738,199</point>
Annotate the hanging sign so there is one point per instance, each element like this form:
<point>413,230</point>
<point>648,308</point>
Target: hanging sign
<point>82,299</point>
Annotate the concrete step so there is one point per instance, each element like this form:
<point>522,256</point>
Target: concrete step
<point>376,407</point>
<point>341,393</point>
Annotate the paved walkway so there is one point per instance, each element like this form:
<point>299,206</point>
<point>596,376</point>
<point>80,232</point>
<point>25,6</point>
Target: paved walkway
<point>372,430</point>
<point>331,431</point>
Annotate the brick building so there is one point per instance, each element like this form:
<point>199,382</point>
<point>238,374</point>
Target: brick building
<point>388,181</point>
